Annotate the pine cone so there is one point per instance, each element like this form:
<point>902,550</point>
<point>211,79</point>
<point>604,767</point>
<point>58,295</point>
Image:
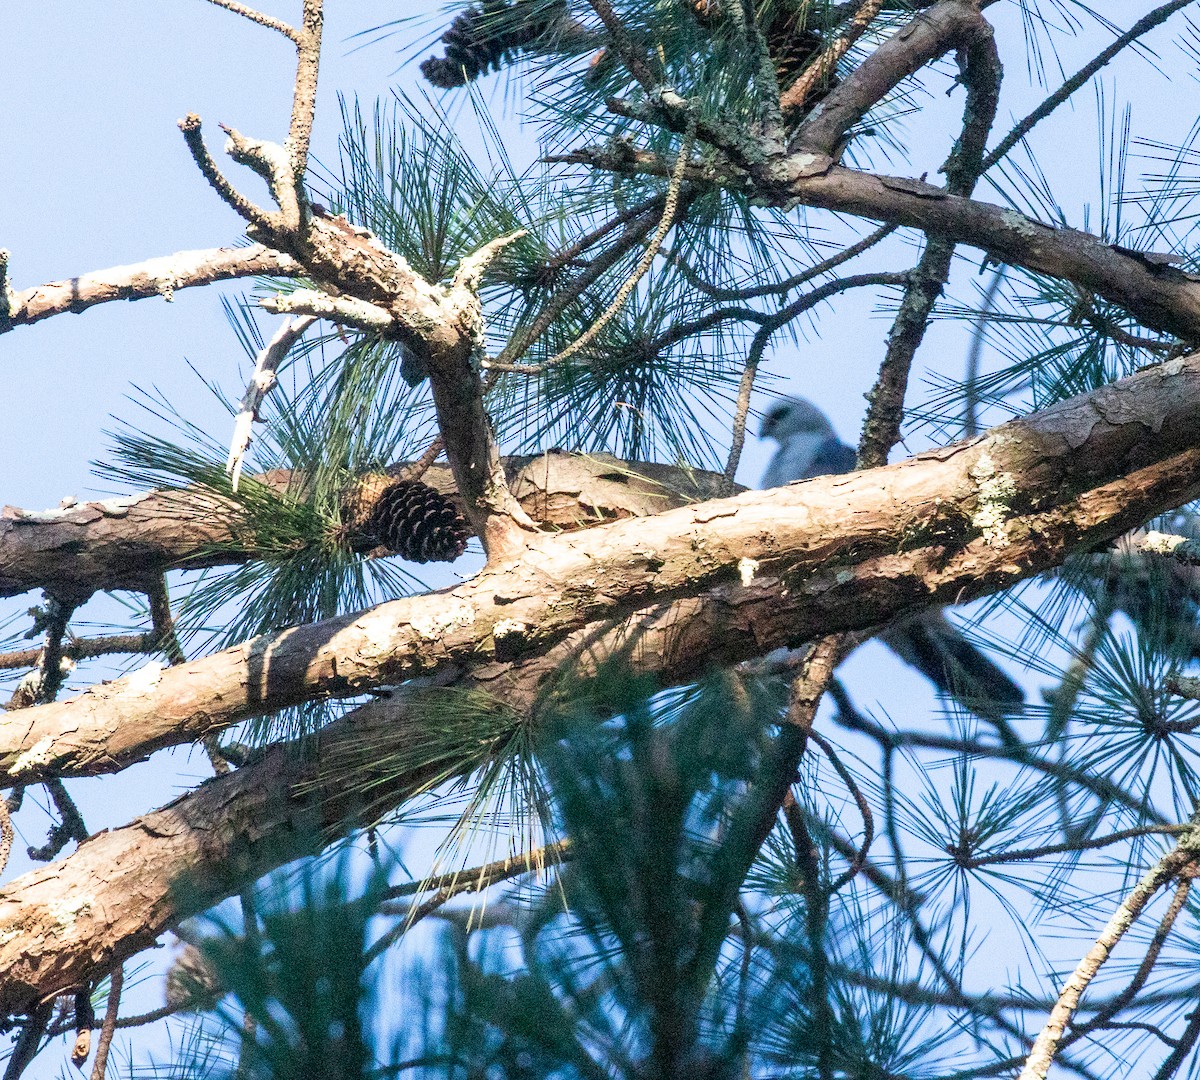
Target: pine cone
<point>417,523</point>
<point>480,40</point>
<point>192,985</point>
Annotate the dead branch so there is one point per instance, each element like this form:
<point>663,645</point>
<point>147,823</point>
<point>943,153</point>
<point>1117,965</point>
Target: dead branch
<point>262,382</point>
<point>154,277</point>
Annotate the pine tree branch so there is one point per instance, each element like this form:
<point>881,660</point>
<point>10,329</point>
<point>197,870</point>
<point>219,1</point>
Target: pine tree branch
<point>943,527</point>
<point>1045,1048</point>
<point>1159,296</point>
<point>124,543</point>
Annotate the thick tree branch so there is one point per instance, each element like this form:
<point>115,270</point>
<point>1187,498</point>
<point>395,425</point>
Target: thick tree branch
<point>1158,295</point>
<point>931,33</point>
<point>828,555</point>
<point>154,277</point>
<point>124,543</point>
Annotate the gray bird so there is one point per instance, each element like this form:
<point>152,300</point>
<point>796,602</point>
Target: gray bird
<point>808,447</point>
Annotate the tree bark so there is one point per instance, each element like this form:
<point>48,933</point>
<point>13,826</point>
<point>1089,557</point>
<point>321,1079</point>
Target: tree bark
<point>834,554</point>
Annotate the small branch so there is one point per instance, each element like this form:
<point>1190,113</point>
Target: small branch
<point>458,882</point>
<point>1166,924</point>
<point>274,164</point>
<point>261,383</point>
<point>110,1023</point>
<point>762,337</point>
<point>304,96</point>
<point>801,278</point>
<point>864,808</point>
<point>339,309</point>
<point>268,21</point>
<point>1183,1047</point>
<point>154,277</point>
<point>471,269</point>
<point>1037,1065</point>
<point>235,200</point>
<point>82,649</point>
<point>165,637</point>
<point>70,826</point>
<point>1072,846</point>
<point>635,231</point>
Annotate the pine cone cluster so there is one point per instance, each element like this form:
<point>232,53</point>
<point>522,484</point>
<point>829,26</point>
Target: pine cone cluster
<point>481,39</point>
<point>417,523</point>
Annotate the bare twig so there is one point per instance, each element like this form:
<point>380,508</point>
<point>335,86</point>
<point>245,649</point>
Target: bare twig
<point>110,1022</point>
<point>262,381</point>
<point>347,310</point>
<point>975,353</point>
<point>152,277</point>
<point>70,825</point>
<point>972,862</point>
<point>258,17</point>
<point>1183,1047</point>
<point>864,808</point>
<point>774,288</point>
<point>776,322</point>
<point>190,126</point>
<point>308,49</point>
<point>82,649</point>
<point>636,229</point>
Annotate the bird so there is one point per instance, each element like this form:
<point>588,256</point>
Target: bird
<point>928,641</point>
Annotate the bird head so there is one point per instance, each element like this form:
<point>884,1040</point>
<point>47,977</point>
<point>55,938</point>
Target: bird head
<point>789,417</point>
